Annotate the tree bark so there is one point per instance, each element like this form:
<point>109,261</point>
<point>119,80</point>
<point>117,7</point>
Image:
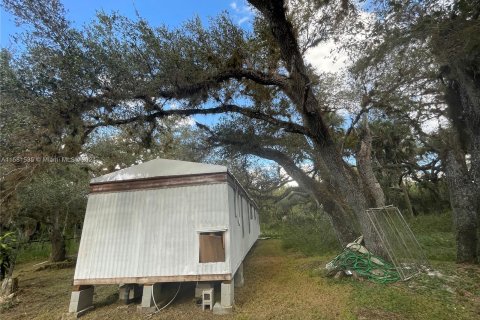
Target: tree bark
<point>406,196</point>
<point>462,200</point>
<point>348,185</point>
<point>57,241</point>
<point>341,221</point>
<point>365,168</point>
<point>462,94</point>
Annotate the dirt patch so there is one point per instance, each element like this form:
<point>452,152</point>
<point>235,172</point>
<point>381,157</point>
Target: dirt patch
<point>376,314</point>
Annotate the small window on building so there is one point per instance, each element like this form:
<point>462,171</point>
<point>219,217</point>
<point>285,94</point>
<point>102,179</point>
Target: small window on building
<point>249,217</point>
<point>212,247</point>
<point>242,216</point>
<point>235,195</point>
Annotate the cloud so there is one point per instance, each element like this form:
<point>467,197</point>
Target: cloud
<point>242,20</point>
<point>326,57</point>
<point>432,125</point>
<point>241,12</point>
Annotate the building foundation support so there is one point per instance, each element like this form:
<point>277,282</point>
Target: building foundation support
<point>239,279</point>
<point>227,290</point>
<point>150,296</point>
<point>129,292</point>
<point>81,300</point>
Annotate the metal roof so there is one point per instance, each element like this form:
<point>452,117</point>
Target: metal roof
<point>159,168</point>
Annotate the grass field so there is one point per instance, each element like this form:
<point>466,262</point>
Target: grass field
<point>285,283</point>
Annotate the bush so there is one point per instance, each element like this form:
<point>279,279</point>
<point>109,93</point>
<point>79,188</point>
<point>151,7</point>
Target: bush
<point>309,235</point>
<point>270,230</point>
<point>7,244</point>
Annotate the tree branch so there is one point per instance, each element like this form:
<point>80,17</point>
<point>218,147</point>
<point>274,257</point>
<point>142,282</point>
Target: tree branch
<point>289,192</point>
<point>253,148</point>
<point>185,91</point>
<point>352,125</point>
<point>299,91</point>
<point>225,108</point>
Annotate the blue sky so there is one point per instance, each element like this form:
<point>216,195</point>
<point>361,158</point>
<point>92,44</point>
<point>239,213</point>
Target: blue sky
<point>170,13</point>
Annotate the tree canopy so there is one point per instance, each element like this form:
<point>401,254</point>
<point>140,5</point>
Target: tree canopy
<point>72,84</point>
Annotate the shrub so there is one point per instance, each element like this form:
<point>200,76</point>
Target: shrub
<point>7,245</point>
<point>311,235</point>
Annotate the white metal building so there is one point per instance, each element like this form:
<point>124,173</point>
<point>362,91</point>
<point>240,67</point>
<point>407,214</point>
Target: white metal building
<point>165,221</point>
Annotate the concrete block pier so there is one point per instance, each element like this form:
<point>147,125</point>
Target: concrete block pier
<point>227,291</point>
<point>81,300</point>
<point>150,292</point>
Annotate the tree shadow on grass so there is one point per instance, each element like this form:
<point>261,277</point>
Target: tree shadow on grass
<point>108,300</point>
<point>105,295</point>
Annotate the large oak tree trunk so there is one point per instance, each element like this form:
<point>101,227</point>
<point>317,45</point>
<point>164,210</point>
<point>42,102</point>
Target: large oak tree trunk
<point>463,100</point>
<point>371,189</point>
<point>365,168</point>
<point>342,222</point>
<point>462,200</point>
<point>349,186</point>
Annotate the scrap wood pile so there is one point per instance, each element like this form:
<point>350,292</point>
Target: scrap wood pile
<point>357,261</point>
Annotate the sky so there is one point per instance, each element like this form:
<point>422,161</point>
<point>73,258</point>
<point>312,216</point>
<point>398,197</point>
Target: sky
<point>323,57</point>
<point>171,14</point>
<point>157,12</point>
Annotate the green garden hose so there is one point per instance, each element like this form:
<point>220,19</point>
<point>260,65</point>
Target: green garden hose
<point>366,265</point>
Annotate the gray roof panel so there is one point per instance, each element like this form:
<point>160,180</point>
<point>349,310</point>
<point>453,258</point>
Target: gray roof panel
<point>160,168</point>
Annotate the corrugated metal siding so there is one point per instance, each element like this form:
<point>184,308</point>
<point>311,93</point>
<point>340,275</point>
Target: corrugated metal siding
<point>152,232</point>
<point>241,239</point>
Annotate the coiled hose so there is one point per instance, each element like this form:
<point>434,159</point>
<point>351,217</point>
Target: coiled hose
<point>365,265</point>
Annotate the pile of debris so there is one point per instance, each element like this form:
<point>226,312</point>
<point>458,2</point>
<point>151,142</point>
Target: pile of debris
<point>358,262</point>
<point>405,254</point>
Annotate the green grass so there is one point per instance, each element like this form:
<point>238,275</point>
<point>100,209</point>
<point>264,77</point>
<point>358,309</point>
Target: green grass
<point>315,237</point>
<point>274,276</point>
<point>452,293</point>
<point>435,235</point>
<point>401,302</point>
<point>36,251</point>
<point>270,231</point>
<point>279,284</point>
